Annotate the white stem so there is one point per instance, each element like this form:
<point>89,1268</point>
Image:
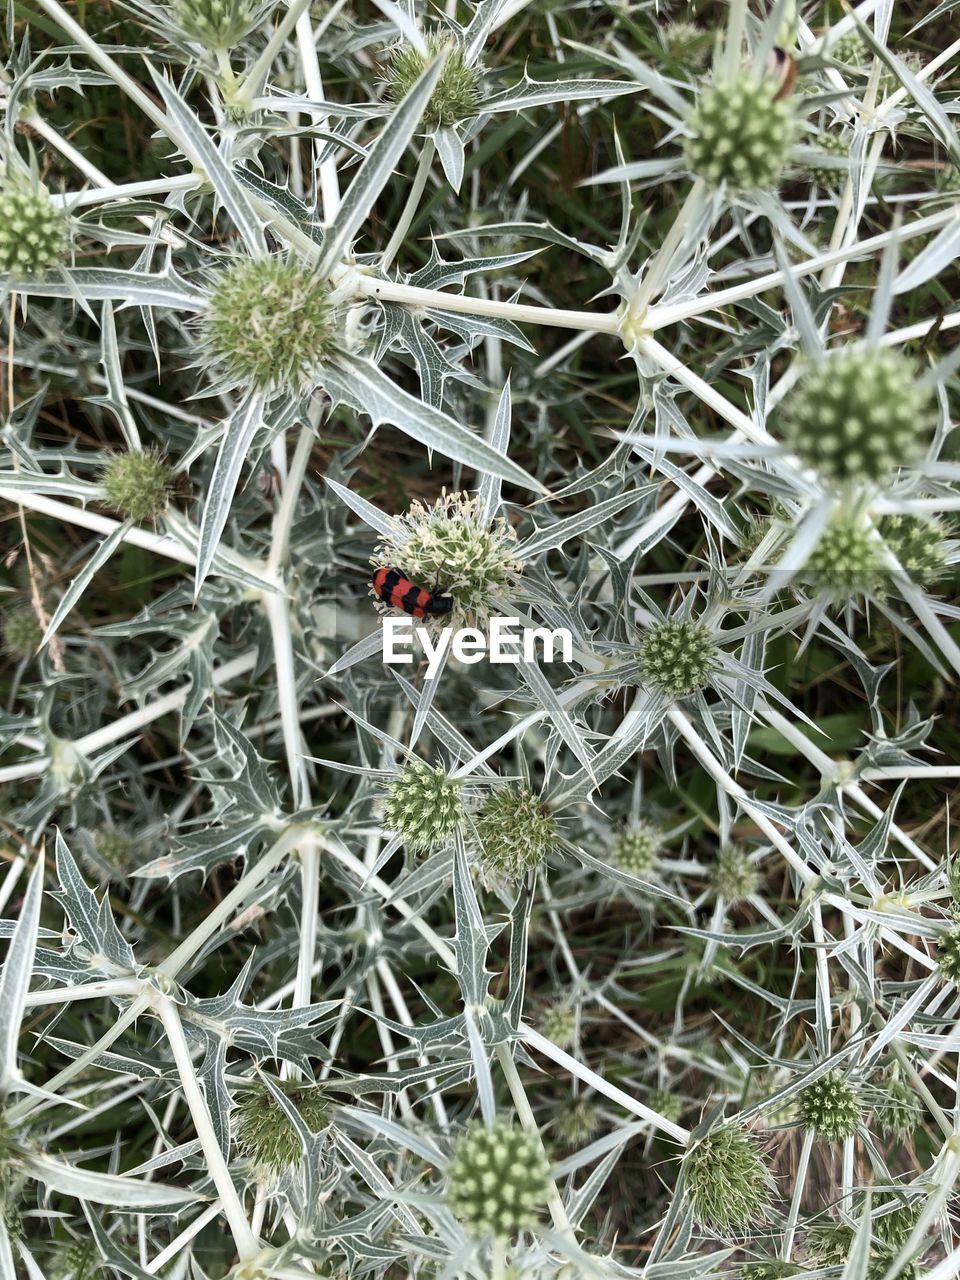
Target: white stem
<point>411,206</point>
<point>307,45</point>
<point>244,1239</point>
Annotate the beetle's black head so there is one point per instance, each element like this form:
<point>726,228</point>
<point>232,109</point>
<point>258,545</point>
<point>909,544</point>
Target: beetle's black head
<point>440,604</point>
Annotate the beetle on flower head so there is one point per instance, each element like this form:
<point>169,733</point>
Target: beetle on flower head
<point>396,590</point>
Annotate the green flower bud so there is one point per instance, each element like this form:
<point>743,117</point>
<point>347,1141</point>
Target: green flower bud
<point>896,1113</point>
<point>948,946</point>
<point>858,415</point>
<point>830,1107</point>
<point>497,1180</point>
<point>739,136</point>
<point>676,656</point>
<point>577,1123</point>
<point>846,561</point>
<point>216,24</point>
<point>559,1024</point>
<point>456,95</point>
<point>666,1104</point>
<point>111,854</point>
<point>515,833</point>
<point>686,43</point>
<point>269,323</point>
<point>449,543</point>
<point>919,545</point>
<point>137,485</point>
<point>22,634</point>
<point>424,806</point>
<point>33,231</point>
<point>831,144</point>
<point>262,1131</point>
<point>636,849</point>
<point>727,1182</point>
<point>733,876</point>
<point>849,49</point>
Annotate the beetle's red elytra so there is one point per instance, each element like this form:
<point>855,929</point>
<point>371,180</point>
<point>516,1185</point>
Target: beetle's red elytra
<point>395,589</point>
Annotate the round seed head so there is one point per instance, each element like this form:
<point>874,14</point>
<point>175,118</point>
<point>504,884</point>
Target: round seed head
<point>667,1104</point>
<point>727,1181</point>
<point>33,231</point>
<point>515,833</point>
<point>578,1123</point>
<point>457,92</point>
<point>263,1132</point>
<point>830,1107</point>
<point>846,561</point>
<point>948,947</point>
<point>269,323</point>
<point>137,485</point>
<point>686,43</point>
<point>849,49</point>
<point>858,415</point>
<point>22,634</point>
<point>449,543</point>
<point>636,849</point>
<point>559,1024</point>
<point>733,876</point>
<point>830,1246</point>
<point>676,656</point>
<point>896,1113</point>
<point>831,144</point>
<point>111,855</point>
<point>216,24</point>
<point>497,1180</point>
<point>424,806</point>
<point>919,545</point>
<point>739,136</point>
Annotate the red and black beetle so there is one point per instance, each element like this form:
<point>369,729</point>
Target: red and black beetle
<point>395,589</point>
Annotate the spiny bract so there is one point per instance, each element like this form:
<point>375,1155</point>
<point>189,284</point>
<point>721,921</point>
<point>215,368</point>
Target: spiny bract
<point>424,805</point>
<point>830,1107</point>
<point>137,484</point>
<point>263,1132</point>
<point>676,656</point>
<point>727,1182</point>
<point>738,135</point>
<point>514,831</point>
<point>896,1111</point>
<point>857,415</point>
<point>269,323</point>
<point>33,231</point>
<point>497,1180</point>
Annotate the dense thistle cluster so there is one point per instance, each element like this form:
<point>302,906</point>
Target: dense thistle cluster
<point>637,848</point>
<point>137,485</point>
<point>265,1134</point>
<point>269,323</point>
<point>830,1107</point>
<point>677,656</point>
<point>727,1181</point>
<point>497,1180</point>
<point>456,94</point>
<point>424,806</point>
<point>858,415</point>
<point>33,231</point>
<point>448,543</point>
<point>515,833</point>
<point>738,136</point>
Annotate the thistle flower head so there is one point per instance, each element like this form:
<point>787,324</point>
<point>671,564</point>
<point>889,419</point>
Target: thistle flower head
<point>728,1184</point>
<point>449,544</point>
<point>269,322</point>
<point>559,1024</point>
<point>918,543</point>
<point>636,849</point>
<point>738,135</point>
<point>515,833</point>
<point>676,656</point>
<point>577,1123</point>
<point>497,1180</point>
<point>665,1103</point>
<point>137,484</point>
<point>858,415</point>
<point>830,1107</point>
<point>831,1245</point>
<point>846,561</point>
<point>457,92</point>
<point>686,43</point>
<point>424,806</point>
<point>831,144</point>
<point>216,24</point>
<point>33,231</point>
<point>262,1130</point>
<point>849,49</point>
<point>768,1269</point>
<point>22,634</point>
<point>112,854</point>
<point>948,947</point>
<point>896,1113</point>
<point>733,876</point>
